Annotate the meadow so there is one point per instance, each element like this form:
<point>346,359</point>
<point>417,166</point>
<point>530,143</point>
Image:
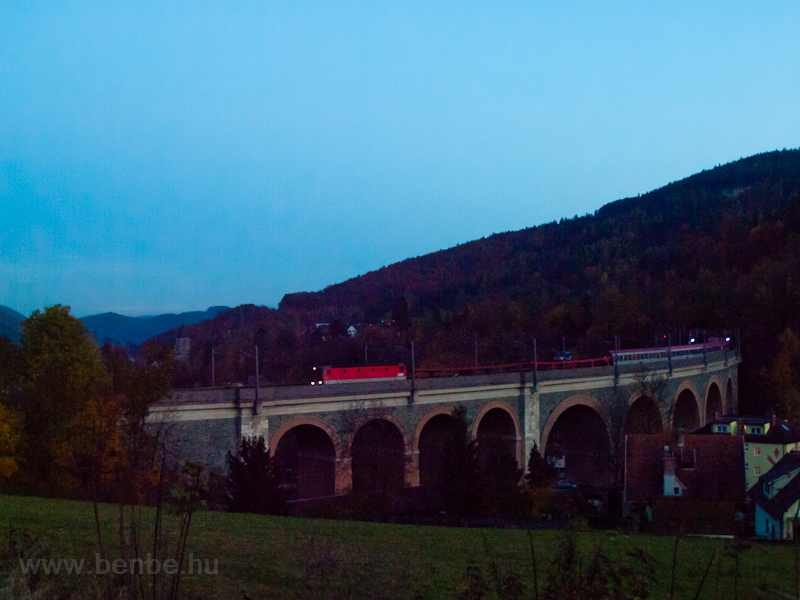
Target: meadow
<point>282,557</point>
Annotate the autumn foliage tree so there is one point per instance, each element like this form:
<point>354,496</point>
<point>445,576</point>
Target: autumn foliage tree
<point>62,381</point>
<point>10,420</point>
<point>784,377</point>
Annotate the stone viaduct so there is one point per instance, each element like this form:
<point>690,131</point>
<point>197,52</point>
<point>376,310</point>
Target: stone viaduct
<point>331,439</point>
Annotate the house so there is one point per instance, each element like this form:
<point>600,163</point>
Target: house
<point>691,482</point>
<point>777,499</point>
<point>351,331</point>
<point>696,467</point>
<point>766,441</point>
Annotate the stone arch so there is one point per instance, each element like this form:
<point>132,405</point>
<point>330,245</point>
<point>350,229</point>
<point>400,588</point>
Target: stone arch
<point>504,406</point>
<point>306,456</point>
<point>713,401</point>
<point>562,407</point>
<point>424,421</point>
<point>578,430</point>
<point>686,407</point>
<point>431,441</point>
<point>644,415</point>
<point>378,455</point>
<point>730,400</point>
<point>358,423</point>
<point>275,439</point>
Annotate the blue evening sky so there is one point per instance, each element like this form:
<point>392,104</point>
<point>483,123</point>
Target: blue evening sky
<point>168,156</point>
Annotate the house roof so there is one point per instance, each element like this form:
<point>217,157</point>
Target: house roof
<point>748,421</point>
<point>777,506</point>
<point>782,432</point>
<point>709,427</point>
<point>711,467</point>
<point>788,463</point>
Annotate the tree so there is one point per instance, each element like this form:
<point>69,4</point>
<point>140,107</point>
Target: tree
<point>338,329</point>
<point>539,474</point>
<point>784,378</point>
<point>62,375</point>
<point>401,317</point>
<point>499,479</point>
<point>135,447</point>
<point>10,421</point>
<point>252,485</point>
<point>9,442</point>
<point>460,469</point>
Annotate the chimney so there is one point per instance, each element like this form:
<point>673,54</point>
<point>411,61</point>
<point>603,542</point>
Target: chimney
<point>669,462</point>
<point>681,438</point>
<point>672,487</point>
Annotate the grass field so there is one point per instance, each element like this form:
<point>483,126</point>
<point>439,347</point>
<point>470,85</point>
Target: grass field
<point>271,557</point>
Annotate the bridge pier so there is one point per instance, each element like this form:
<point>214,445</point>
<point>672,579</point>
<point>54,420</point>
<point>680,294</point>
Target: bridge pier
<point>531,428</point>
<point>344,475</point>
<point>412,468</point>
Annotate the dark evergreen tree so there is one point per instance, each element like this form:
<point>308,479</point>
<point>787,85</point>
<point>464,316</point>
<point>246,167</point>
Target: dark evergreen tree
<point>539,474</point>
<point>253,484</point>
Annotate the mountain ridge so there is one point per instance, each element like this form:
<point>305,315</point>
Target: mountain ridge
<point>11,323</point>
<point>120,329</point>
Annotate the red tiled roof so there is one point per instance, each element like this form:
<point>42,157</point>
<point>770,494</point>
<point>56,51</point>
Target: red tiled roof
<point>710,466</point>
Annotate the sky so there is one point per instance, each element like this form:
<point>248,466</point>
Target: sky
<point>169,156</point>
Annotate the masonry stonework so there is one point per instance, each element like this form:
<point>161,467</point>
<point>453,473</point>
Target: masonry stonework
<point>205,423</point>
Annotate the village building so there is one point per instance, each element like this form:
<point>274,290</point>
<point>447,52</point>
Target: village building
<point>766,441</point>
<point>777,499</point>
<point>691,482</point>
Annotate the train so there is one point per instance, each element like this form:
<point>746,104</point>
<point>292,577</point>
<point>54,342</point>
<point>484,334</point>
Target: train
<point>662,353</point>
<point>398,372</point>
<point>332,375</point>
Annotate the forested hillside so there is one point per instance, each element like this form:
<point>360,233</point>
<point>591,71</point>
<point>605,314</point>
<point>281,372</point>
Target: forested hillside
<point>717,251</point>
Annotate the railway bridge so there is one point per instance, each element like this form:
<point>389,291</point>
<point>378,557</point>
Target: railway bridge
<point>331,439</point>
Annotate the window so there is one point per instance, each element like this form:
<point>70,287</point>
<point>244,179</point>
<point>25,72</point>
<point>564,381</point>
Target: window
<point>758,470</point>
<point>677,491</point>
<point>756,451</point>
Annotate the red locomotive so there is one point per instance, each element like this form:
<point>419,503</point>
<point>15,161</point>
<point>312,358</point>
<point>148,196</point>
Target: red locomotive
<point>356,374</point>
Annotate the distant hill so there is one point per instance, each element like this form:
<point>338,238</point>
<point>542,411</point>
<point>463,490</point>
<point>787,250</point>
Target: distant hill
<point>119,329</point>
<point>11,323</point>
